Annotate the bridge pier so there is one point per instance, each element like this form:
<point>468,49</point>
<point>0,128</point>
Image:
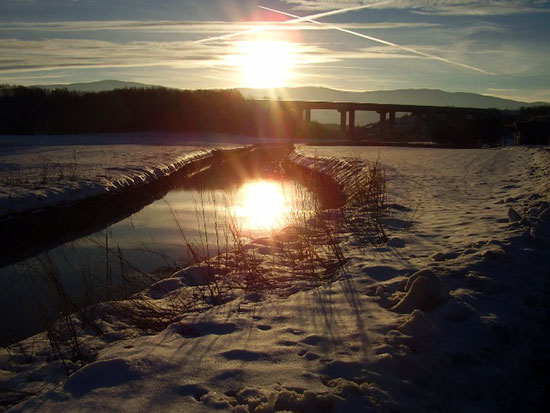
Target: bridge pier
<point>343,116</point>
<point>307,115</point>
<point>351,129</point>
<point>382,123</point>
<point>391,125</point>
<point>347,122</point>
<point>387,125</point>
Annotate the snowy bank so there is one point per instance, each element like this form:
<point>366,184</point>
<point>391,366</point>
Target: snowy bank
<point>44,177</point>
<point>44,171</point>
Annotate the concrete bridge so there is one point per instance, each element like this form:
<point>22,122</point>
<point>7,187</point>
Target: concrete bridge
<point>387,112</point>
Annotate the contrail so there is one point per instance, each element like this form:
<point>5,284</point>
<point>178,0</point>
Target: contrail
<point>296,19</point>
<point>375,39</point>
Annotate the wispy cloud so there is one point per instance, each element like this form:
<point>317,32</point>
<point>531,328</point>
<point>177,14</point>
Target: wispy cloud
<point>18,55</point>
<point>189,27</point>
<point>54,54</point>
<point>441,7</point>
<point>161,26</point>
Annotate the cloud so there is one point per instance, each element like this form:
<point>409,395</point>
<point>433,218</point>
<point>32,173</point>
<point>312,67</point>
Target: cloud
<point>58,54</point>
<point>54,54</point>
<point>441,7</point>
<point>20,58</point>
<point>187,27</point>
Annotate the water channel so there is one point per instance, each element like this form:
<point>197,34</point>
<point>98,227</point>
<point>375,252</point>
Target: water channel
<point>155,240</point>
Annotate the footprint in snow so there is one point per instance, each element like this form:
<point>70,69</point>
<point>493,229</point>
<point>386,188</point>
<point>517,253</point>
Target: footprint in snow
<point>396,242</point>
<point>204,328</point>
<point>443,256</point>
<point>311,356</point>
<point>193,390</point>
<point>286,343</point>
<point>315,340</point>
<point>245,355</point>
<point>345,369</point>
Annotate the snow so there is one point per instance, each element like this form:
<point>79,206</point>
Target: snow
<point>40,177</point>
<point>448,315</point>
<point>45,171</point>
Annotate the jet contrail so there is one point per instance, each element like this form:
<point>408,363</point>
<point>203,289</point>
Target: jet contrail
<point>375,39</point>
<point>296,19</point>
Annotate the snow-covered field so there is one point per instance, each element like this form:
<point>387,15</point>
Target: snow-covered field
<point>39,177</point>
<point>467,333</point>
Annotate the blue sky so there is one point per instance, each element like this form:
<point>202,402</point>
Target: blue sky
<point>159,42</point>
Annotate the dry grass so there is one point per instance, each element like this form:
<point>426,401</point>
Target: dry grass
<point>366,199</point>
<point>225,263</point>
<point>44,172</point>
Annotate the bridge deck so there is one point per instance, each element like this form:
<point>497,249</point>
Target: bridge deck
<point>372,107</point>
<point>386,111</point>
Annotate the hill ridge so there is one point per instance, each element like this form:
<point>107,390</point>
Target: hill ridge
<point>411,96</point>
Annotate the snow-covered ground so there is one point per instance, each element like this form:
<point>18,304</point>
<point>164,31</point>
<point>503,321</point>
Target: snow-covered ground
<point>38,177</point>
<point>449,315</point>
<point>46,171</point>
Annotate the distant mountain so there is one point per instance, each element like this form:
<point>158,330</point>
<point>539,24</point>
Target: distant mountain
<point>100,86</point>
<point>431,97</point>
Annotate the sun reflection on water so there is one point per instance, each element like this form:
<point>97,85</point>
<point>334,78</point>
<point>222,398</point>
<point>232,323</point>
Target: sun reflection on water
<point>262,205</point>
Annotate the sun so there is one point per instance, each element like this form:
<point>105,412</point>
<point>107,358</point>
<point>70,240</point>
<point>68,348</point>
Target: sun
<point>265,63</point>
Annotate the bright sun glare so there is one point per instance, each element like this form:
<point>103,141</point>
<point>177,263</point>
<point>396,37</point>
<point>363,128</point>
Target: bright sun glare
<point>265,64</point>
<point>261,205</point>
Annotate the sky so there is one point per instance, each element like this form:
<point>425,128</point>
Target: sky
<point>499,48</point>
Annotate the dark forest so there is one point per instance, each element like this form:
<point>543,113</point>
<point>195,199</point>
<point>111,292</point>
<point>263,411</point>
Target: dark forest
<point>33,111</point>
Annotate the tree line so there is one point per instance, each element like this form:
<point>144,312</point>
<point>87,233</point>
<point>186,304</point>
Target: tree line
<point>25,110</point>
<point>29,111</point>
